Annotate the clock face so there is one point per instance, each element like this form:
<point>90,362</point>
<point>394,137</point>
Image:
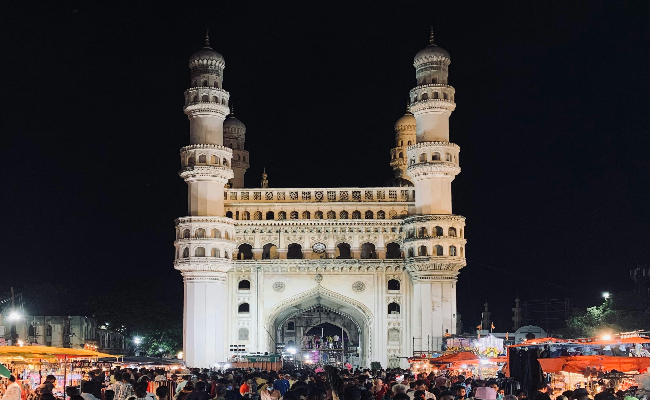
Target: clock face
<point>318,248</point>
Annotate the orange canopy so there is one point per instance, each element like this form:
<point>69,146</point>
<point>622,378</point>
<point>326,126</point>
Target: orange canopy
<point>462,357</point>
<point>590,341</point>
<point>604,363</point>
<point>48,352</point>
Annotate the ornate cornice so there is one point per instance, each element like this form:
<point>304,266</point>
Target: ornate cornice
<point>198,108</point>
<point>435,168</point>
<point>428,145</point>
<point>326,266</point>
<point>434,217</point>
<point>206,147</point>
<point>432,105</point>
<point>203,264</point>
<point>217,172</point>
<point>207,90</point>
<point>204,219</point>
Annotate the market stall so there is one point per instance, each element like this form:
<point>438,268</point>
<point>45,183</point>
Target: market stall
<point>592,363</point>
<point>30,364</point>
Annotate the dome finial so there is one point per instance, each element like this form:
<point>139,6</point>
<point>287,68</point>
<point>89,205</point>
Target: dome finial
<point>207,37</point>
<point>408,107</point>
<point>431,35</point>
<point>265,182</point>
<point>232,108</point>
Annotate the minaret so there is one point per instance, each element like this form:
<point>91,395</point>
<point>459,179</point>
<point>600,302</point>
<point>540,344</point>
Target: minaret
<point>234,136</point>
<point>204,245</point>
<point>433,161</point>
<point>434,240</point>
<point>404,137</point>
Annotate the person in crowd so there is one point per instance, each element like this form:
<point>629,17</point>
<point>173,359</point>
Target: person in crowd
<point>199,392</point>
<point>70,391</point>
<point>460,393</point>
<point>420,385</point>
<point>270,393</point>
<point>122,388</point>
<point>541,393</point>
<point>183,381</point>
<point>47,387</point>
<point>13,390</point>
<point>521,394</point>
<point>246,388</point>
<point>187,389</point>
<point>581,394</point>
<point>220,393</point>
<point>162,392</point>
<point>281,384</point>
<point>140,393</point>
<point>446,395</point>
<point>109,394</point>
<point>98,384</point>
<point>568,394</point>
<point>378,389</point>
<point>87,389</point>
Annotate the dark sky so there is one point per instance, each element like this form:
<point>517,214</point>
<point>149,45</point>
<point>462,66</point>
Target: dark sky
<point>552,120</point>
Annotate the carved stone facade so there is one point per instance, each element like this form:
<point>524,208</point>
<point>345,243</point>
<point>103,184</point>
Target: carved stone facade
<point>263,266</point>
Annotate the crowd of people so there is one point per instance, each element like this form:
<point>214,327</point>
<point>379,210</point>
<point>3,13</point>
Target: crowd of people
<point>329,383</point>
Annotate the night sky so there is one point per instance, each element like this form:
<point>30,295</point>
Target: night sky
<point>551,117</point>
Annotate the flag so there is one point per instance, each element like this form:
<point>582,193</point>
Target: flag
<point>492,325</point>
<point>478,327</point>
<point>506,335</point>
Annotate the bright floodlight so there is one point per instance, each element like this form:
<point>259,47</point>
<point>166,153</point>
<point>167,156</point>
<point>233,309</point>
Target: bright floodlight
<point>137,340</point>
<point>607,337</point>
<point>306,356</point>
<point>13,316</point>
<point>291,350</point>
<point>179,355</point>
<point>606,295</point>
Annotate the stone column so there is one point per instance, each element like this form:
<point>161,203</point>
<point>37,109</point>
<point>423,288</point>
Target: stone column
<point>257,254</point>
<point>282,253</point>
<point>205,319</point>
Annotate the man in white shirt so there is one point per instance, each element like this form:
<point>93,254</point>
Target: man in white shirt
<point>421,385</point>
<point>13,390</point>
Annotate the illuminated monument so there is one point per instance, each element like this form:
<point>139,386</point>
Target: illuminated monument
<point>263,266</point>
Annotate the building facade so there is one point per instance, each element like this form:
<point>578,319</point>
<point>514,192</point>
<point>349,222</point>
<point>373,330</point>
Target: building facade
<point>75,332</point>
<point>265,267</point>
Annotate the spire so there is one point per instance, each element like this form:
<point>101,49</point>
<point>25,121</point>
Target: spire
<point>408,108</point>
<point>232,108</point>
<point>265,182</point>
<point>207,37</point>
<point>431,35</point>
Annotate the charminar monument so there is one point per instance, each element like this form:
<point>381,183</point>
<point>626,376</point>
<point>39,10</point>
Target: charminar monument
<point>266,268</point>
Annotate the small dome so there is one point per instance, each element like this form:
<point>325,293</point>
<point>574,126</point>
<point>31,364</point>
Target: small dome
<point>207,57</point>
<point>405,122</point>
<point>233,126</point>
<point>431,51</point>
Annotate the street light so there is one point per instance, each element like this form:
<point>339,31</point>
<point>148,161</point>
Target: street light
<point>13,316</point>
<point>137,340</point>
<point>606,295</point>
<point>291,350</point>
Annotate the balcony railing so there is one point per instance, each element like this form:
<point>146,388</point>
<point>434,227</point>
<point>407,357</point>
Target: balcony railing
<point>352,195</point>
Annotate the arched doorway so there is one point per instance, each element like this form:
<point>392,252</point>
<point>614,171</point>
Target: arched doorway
<point>327,312</point>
